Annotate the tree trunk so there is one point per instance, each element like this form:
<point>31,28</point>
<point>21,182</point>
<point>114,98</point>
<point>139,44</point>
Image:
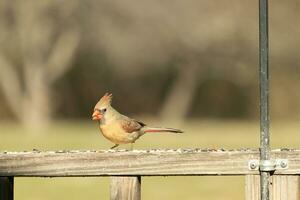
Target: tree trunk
<point>45,54</point>
<point>176,105</point>
<point>37,105</point>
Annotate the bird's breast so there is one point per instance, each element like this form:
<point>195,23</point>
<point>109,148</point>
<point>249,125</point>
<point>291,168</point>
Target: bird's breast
<point>115,133</point>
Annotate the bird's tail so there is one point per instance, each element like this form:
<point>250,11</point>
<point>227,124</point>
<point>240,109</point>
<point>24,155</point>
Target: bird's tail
<point>159,129</point>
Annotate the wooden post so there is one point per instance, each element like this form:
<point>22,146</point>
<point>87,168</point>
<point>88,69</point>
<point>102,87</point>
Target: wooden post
<point>6,188</point>
<point>282,187</point>
<point>252,187</point>
<point>285,188</point>
<point>125,188</point>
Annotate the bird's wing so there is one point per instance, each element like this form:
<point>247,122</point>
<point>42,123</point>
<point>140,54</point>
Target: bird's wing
<point>131,125</point>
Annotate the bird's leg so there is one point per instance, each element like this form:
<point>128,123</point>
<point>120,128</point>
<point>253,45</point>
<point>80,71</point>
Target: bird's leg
<point>114,146</point>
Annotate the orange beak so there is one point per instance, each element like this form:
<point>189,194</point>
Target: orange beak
<point>97,115</point>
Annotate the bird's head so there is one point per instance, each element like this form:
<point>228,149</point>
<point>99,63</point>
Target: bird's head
<point>102,107</point>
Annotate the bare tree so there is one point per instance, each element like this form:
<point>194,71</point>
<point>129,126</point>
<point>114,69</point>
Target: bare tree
<point>140,35</point>
<point>38,40</point>
<point>181,94</point>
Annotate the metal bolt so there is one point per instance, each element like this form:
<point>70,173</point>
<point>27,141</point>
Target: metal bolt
<point>253,165</point>
<point>283,164</point>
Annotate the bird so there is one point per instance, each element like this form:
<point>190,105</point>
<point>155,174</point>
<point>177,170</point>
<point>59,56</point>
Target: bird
<point>119,128</point>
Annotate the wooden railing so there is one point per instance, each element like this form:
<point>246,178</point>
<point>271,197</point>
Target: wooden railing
<point>127,167</point>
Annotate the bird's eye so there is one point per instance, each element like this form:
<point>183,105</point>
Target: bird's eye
<point>103,110</point>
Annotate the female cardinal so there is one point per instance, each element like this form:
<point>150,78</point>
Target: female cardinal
<point>119,128</point>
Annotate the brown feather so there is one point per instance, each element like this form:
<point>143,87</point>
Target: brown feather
<point>131,125</point>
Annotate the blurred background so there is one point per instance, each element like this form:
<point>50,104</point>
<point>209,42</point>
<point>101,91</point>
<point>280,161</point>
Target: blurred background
<point>189,64</point>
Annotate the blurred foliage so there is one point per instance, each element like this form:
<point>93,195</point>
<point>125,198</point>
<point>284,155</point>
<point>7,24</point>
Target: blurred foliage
<point>138,50</point>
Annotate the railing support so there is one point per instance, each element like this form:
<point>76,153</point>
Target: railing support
<point>125,188</point>
<point>6,188</point>
<point>264,98</point>
<point>283,187</point>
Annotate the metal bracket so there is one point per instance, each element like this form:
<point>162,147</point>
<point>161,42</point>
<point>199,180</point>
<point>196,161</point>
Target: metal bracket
<point>268,165</point>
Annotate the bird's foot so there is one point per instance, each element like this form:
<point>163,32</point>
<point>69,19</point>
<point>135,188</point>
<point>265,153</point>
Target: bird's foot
<point>116,145</point>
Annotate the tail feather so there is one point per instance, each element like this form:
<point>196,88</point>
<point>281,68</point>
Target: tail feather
<point>158,129</point>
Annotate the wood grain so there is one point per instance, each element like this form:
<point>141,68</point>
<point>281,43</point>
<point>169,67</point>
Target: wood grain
<point>138,162</point>
<point>125,188</point>
<point>252,187</point>
<point>285,187</point>
<point>109,163</point>
<point>282,187</point>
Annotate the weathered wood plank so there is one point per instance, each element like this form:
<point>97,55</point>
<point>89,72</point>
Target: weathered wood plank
<point>252,187</point>
<point>138,162</point>
<point>282,187</point>
<point>6,188</point>
<point>125,188</point>
<point>285,187</point>
<point>110,163</point>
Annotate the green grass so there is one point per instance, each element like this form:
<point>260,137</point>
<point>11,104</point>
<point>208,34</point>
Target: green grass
<point>85,135</point>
